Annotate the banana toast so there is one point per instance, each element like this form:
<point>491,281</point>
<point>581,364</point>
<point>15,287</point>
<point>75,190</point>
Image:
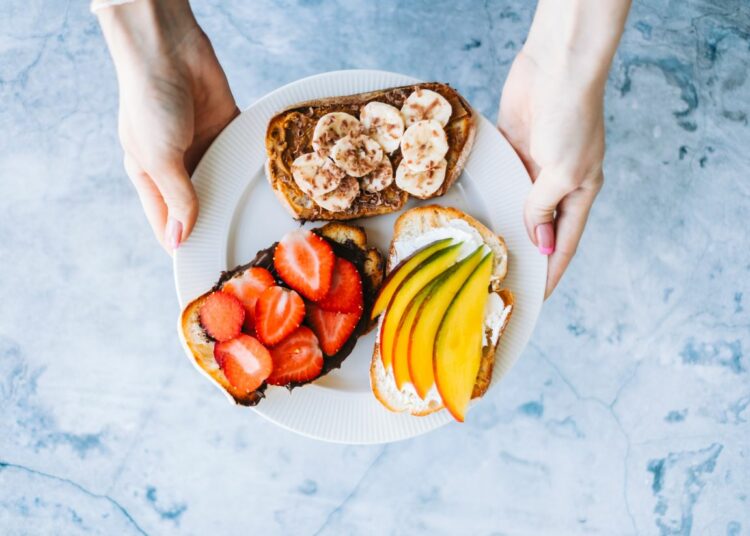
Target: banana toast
<point>347,157</point>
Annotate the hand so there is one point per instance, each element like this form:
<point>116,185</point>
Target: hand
<point>555,123</point>
<point>174,100</point>
<point>551,111</point>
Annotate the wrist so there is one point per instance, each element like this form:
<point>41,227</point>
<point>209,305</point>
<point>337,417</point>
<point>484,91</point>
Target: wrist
<point>145,29</point>
<point>576,38</point>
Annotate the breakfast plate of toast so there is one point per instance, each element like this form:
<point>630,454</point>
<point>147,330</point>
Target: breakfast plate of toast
<point>359,271</point>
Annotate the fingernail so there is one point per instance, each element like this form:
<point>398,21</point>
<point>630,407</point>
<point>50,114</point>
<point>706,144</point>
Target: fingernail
<point>173,233</point>
<point>545,238</point>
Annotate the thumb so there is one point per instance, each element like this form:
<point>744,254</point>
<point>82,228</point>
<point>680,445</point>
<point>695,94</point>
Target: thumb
<point>178,193</point>
<point>548,190</point>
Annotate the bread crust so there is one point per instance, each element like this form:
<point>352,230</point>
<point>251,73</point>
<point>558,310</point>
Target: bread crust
<point>201,348</point>
<point>289,134</point>
<point>421,219</point>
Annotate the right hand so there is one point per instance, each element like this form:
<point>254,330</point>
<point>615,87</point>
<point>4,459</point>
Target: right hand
<point>555,124</point>
<point>174,100</point>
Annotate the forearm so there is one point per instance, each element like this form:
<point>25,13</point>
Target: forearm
<point>578,36</point>
<point>145,30</point>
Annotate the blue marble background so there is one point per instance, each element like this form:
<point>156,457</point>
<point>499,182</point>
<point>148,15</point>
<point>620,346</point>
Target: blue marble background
<point>628,414</point>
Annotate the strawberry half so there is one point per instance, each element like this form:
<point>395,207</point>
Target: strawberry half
<point>332,328</point>
<point>246,287</point>
<point>221,315</point>
<point>278,312</point>
<point>345,294</point>
<point>245,361</point>
<point>297,358</point>
<point>305,262</point>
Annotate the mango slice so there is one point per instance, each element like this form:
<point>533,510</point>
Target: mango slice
<point>421,339</point>
<point>458,347</point>
<point>430,268</point>
<point>401,271</point>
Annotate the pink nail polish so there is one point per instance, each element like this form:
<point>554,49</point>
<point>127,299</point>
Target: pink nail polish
<point>173,233</point>
<point>545,238</point>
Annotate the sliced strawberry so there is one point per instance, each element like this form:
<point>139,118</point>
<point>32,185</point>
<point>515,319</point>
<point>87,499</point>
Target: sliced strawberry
<point>332,328</point>
<point>245,361</point>
<point>297,358</point>
<point>305,262</point>
<point>345,294</point>
<point>218,354</point>
<point>222,315</point>
<point>246,287</point>
<point>279,311</point>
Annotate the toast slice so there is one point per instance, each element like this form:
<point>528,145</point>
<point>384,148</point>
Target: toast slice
<point>348,241</point>
<point>414,223</point>
<point>290,133</point>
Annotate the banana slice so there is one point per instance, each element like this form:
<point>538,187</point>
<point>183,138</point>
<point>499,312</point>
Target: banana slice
<point>341,198</point>
<point>316,175</point>
<point>424,104</point>
<point>421,184</point>
<point>331,128</point>
<point>357,154</point>
<point>384,124</point>
<point>378,179</point>
<point>424,145</point>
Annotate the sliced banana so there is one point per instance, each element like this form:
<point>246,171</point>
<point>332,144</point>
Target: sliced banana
<point>383,123</point>
<point>424,145</point>
<point>424,104</point>
<point>357,154</point>
<point>331,128</point>
<point>421,184</point>
<point>316,175</point>
<point>341,198</point>
<point>379,178</point>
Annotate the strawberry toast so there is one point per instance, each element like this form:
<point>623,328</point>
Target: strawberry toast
<point>288,317</point>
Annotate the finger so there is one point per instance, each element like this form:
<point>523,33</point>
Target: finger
<point>178,193</point>
<point>546,193</point>
<point>572,214</point>
<point>150,197</point>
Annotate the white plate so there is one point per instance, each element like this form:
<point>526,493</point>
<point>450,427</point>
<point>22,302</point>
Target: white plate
<point>239,215</point>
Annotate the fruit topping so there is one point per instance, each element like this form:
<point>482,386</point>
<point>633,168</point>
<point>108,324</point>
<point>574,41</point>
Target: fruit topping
<point>422,335</point>
<point>430,268</point>
<point>458,346</point>
<point>245,361</point>
<point>222,315</point>
<point>424,145</point>
<point>279,311</point>
<point>341,198</point>
<point>345,294</point>
<point>425,104</point>
<point>384,123</point>
<point>305,262</point>
<point>316,175</point>
<point>401,271</point>
<point>331,128</point>
<point>246,287</point>
<point>422,184</point>
<point>297,358</point>
<point>357,154</point>
<point>380,178</point>
<point>332,328</point>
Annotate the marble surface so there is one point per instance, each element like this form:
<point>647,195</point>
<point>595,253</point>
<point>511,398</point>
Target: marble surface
<point>628,413</point>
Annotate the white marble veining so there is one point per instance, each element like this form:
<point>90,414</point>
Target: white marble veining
<point>628,413</point>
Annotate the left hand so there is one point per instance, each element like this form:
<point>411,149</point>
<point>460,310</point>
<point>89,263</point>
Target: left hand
<point>555,123</point>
